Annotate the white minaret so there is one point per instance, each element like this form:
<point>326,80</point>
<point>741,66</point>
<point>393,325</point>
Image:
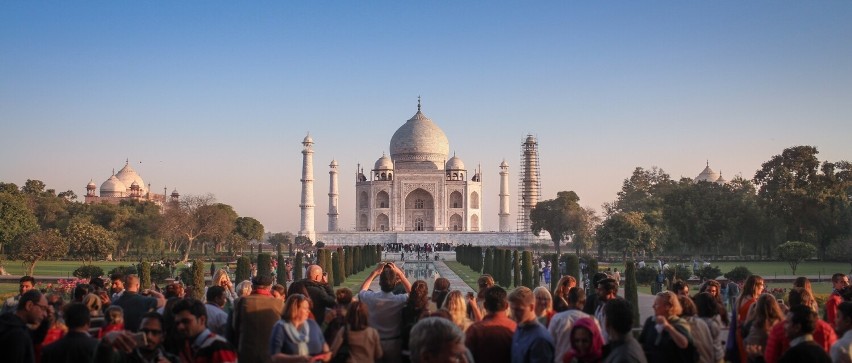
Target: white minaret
<point>504,197</point>
<point>332,197</point>
<point>306,227</point>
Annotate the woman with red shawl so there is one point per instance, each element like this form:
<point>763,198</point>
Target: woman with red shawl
<point>586,342</point>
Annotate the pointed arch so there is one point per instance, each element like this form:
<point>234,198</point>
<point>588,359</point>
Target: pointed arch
<point>474,200</point>
<point>456,200</point>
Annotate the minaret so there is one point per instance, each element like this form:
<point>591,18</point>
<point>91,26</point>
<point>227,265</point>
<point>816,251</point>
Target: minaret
<point>332,197</point>
<point>530,185</point>
<point>504,197</point>
<point>306,227</point>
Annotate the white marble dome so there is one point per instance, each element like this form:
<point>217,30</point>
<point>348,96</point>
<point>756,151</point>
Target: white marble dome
<point>419,139</point>
<point>504,164</point>
<point>707,175</point>
<point>113,187</point>
<point>455,163</point>
<point>128,176</point>
<point>384,163</point>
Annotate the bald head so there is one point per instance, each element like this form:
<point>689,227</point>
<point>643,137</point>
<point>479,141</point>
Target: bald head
<point>315,273</point>
<point>131,283</point>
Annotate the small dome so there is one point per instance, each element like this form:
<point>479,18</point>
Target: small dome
<point>134,184</point>
<point>455,163</point>
<point>91,184</point>
<point>721,179</point>
<point>113,187</point>
<point>308,140</point>
<point>384,163</point>
<point>504,164</point>
<point>530,139</point>
<point>707,175</point>
<point>175,193</point>
<point>333,163</point>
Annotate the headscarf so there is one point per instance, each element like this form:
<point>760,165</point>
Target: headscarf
<point>595,350</point>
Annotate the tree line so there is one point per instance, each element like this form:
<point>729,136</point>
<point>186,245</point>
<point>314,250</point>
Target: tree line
<point>39,224</point>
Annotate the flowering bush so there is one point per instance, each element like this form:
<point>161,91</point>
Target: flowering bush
<point>65,287</point>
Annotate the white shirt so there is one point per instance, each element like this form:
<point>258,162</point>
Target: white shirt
<point>560,330</point>
<point>217,319</point>
<point>840,350</point>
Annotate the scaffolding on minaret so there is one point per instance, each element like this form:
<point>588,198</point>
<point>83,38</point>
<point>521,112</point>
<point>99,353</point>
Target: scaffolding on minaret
<point>529,189</point>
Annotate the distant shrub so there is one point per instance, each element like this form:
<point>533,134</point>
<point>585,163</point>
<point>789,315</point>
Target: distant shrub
<point>646,275</point>
<point>739,273</point>
<point>159,274</point>
<point>709,272</point>
<point>88,271</point>
<point>678,272</point>
<point>124,270</point>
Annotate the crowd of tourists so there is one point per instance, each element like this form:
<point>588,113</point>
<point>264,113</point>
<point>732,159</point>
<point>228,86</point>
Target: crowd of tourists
<point>113,320</point>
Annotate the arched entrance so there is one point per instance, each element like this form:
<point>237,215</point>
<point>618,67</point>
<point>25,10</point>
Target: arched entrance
<point>419,211</point>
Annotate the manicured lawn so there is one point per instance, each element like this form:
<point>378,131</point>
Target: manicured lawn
<point>58,268</point>
<point>465,273</point>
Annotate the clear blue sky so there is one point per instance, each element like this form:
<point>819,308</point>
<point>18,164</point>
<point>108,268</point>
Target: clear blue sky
<point>216,96</point>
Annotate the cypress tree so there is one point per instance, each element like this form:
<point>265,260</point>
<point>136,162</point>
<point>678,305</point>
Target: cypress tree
<point>631,291</point>
<point>321,259</point>
<point>572,265</point>
<point>299,266</point>
<point>336,268</point>
<point>507,267</point>
<point>145,274</point>
<point>347,261</point>
<point>281,272</point>
<point>357,264</point>
<point>197,273</point>
<point>516,268</point>
<point>264,264</point>
<point>243,269</point>
<point>488,267</point>
<point>527,267</point>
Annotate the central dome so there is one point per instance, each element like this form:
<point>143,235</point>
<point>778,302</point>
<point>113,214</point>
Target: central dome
<point>419,140</point>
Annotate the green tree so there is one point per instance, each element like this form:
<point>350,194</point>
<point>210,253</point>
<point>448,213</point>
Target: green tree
<point>841,250</point>
<point>626,232</point>
<point>281,239</point>
<point>197,217</point>
<point>298,266</point>
<point>243,271</point>
<point>145,274</point>
<point>90,241</point>
<point>516,268</point>
<point>281,271</point>
<point>631,290</point>
<point>264,264</point>
<point>336,268</point>
<point>302,241</point>
<point>198,284</point>
<point>37,246</point>
<point>33,187</point>
<point>16,219</point>
<point>563,218</point>
<point>527,267</point>
<point>794,252</point>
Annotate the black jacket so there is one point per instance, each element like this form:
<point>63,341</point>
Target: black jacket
<point>73,347</point>
<point>15,339</point>
<point>322,297</point>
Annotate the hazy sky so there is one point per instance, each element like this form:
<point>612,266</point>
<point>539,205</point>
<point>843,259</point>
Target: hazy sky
<point>216,96</point>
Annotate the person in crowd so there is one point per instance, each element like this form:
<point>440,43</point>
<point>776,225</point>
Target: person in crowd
<point>665,336</point>
<point>437,340</point>
<point>483,283</point>
<point>531,341</point>
<point>96,314</point>
<point>16,338</point>
<point>120,347</point>
<point>680,287</point>
<point>363,341</point>
<point>732,293</point>
<point>244,288</point>
<point>805,283</point>
<point>253,318</point>
<point>456,305</point>
<point>592,302</point>
<point>622,347</point>
<point>561,323</point>
<point>116,285</point>
<point>543,305</point>
<point>135,304</point>
<point>77,345</point>
<point>200,344</point>
<point>320,292</point>
<point>490,339</point>
<point>702,338</point>
<point>296,338</point>
<point>217,318</point>
<point>839,281</point>
<point>80,291</point>
<point>57,329</point>
<point>586,342</point>
<point>115,314</point>
<point>336,318</point>
<point>708,310</point>
<point>25,283</point>
<point>841,350</point>
<point>799,326</point>
<point>416,308</point>
<point>386,307</point>
<point>752,288</point>
<point>714,288</point>
<point>560,294</point>
<point>279,292</point>
<point>607,290</point>
<point>778,341</point>
<point>763,317</point>
<point>221,278</point>
<point>440,289</point>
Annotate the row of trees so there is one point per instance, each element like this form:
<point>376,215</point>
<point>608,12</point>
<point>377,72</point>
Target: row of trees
<point>793,197</point>
<point>507,267</point>
<point>39,224</point>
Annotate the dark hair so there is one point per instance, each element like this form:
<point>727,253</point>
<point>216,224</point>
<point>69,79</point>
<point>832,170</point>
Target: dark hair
<point>836,277</point>
<point>608,284</point>
<point>440,289</point>
<point>679,285</point>
<point>688,307</point>
<point>116,276</point>
<point>153,315</point>
<point>173,289</point>
<point>298,287</point>
<point>262,280</point>
<point>97,283</point>
<point>27,278</point>
<point>575,295</point>
<point>598,277</point>
<point>195,307</point>
<point>279,289</point>
<point>214,292</point>
<point>32,295</point>
<point>80,291</point>
<point>706,305</point>
<point>619,315</point>
<point>495,299</point>
<point>358,315</point>
<point>803,316</point>
<point>418,298</point>
<point>343,296</point>
<point>388,279</point>
<point>76,315</point>
<point>845,308</point>
<point>291,304</point>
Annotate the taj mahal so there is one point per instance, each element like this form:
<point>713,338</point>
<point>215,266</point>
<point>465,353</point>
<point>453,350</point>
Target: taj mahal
<point>417,194</point>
